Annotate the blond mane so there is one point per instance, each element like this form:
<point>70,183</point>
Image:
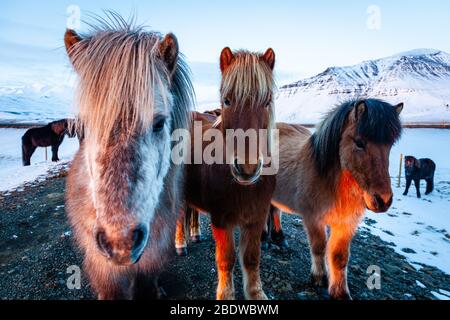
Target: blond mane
<point>249,80</point>
<point>121,80</point>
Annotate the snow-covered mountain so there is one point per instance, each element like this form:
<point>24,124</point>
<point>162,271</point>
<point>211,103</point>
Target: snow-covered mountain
<point>419,78</point>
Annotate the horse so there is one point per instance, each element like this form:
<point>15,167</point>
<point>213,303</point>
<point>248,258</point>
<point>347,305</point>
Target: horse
<point>331,177</point>
<point>189,228</point>
<point>123,192</point>
<point>51,134</point>
<point>417,169</point>
<point>234,193</point>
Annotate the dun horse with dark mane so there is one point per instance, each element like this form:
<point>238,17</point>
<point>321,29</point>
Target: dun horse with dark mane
<point>235,193</point>
<point>330,178</point>
<point>123,191</point>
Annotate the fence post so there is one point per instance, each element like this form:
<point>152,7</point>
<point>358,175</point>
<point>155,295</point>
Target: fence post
<point>400,170</point>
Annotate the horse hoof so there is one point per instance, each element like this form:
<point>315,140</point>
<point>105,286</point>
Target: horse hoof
<point>404,193</point>
<point>264,245</point>
<point>320,281</point>
<point>339,295</point>
<point>182,252</point>
<point>196,239</point>
<point>283,244</point>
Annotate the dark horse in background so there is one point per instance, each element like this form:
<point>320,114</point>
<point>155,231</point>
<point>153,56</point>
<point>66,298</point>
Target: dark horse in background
<point>417,169</point>
<point>50,135</point>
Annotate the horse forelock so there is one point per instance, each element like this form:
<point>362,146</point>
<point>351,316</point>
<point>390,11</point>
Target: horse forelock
<point>123,82</point>
<point>379,123</point>
<point>248,80</point>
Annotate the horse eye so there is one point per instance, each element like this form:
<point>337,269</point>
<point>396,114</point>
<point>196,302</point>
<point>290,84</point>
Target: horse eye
<point>359,144</point>
<point>158,124</point>
<point>227,102</point>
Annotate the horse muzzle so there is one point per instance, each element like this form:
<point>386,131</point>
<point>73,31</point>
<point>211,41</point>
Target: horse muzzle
<point>122,251</point>
<point>378,203</point>
<point>241,175</point>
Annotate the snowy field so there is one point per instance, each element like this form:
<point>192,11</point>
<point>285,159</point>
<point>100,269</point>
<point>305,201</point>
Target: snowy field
<point>419,228</point>
<point>13,175</point>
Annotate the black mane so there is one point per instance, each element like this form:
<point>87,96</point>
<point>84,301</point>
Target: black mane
<point>379,123</point>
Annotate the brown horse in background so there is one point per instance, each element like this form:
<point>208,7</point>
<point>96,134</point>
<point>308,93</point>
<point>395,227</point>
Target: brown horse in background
<point>236,194</point>
<point>50,135</point>
<point>123,191</point>
<point>331,176</point>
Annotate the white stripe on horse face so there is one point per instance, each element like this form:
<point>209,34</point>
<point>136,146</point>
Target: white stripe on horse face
<point>152,150</point>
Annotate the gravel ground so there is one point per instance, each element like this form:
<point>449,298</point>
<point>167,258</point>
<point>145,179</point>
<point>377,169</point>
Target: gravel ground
<point>36,248</point>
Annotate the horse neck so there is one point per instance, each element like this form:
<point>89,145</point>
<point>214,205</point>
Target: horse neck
<point>339,189</point>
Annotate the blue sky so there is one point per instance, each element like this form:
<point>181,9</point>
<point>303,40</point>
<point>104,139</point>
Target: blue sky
<point>307,37</point>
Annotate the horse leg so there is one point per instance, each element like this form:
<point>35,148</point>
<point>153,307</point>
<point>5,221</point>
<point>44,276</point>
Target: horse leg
<point>180,237</point>
<point>249,258</point>
<point>196,232</point>
<point>417,185</point>
<point>277,234</point>
<point>225,259</point>
<point>27,151</point>
<point>317,245</point>
<point>408,184</point>
<point>265,233</point>
<point>430,185</point>
<point>338,252</point>
<point>55,153</point>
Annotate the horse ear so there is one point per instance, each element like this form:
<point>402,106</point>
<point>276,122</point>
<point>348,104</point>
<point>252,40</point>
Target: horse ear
<point>226,58</point>
<point>399,108</point>
<point>71,38</point>
<point>168,51</point>
<point>359,110</point>
<point>269,58</point>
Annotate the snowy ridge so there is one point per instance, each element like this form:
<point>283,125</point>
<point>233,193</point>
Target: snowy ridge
<point>419,78</point>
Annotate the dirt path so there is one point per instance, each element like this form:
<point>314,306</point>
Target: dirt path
<point>36,249</point>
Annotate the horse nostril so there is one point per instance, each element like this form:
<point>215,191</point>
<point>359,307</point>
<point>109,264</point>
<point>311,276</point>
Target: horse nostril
<point>379,201</point>
<point>389,202</point>
<point>140,235</point>
<point>103,245</point>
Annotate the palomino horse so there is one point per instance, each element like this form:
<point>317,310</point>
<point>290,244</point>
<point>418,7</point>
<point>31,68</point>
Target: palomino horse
<point>50,135</point>
<point>235,193</point>
<point>330,178</point>
<point>123,190</point>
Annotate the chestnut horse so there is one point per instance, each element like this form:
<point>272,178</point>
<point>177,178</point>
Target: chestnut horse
<point>123,191</point>
<point>235,193</point>
<point>331,176</point>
